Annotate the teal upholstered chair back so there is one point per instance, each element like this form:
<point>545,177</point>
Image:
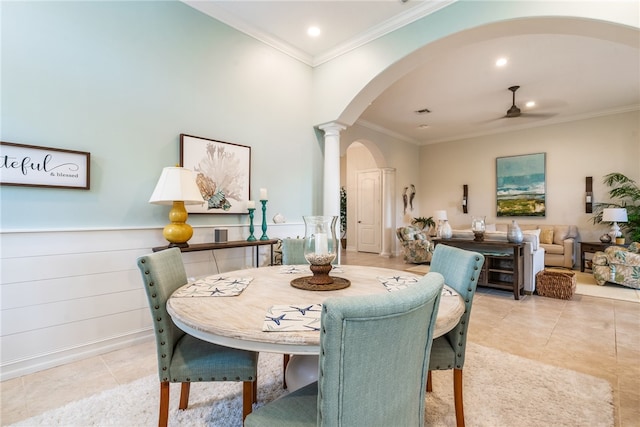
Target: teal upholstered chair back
<point>374,356</point>
<point>162,273</point>
<point>293,252</point>
<point>461,269</point>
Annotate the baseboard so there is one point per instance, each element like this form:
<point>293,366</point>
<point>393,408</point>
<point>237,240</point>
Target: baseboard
<point>40,362</point>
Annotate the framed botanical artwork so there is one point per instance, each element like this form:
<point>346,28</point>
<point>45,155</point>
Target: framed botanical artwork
<point>223,173</point>
<point>521,185</point>
<point>34,166</point>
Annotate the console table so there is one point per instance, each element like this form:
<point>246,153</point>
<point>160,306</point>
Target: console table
<point>227,245</point>
<point>503,266</point>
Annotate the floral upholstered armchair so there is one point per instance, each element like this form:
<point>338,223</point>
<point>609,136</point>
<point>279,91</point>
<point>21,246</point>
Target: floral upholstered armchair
<point>416,245</point>
<point>618,265</point>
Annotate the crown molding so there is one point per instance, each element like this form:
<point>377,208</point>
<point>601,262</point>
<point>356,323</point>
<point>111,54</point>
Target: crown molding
<point>425,8</point>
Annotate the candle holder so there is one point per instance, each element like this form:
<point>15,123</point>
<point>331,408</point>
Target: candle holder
<point>478,228</point>
<point>320,249</point>
<point>264,220</point>
<point>251,237</point>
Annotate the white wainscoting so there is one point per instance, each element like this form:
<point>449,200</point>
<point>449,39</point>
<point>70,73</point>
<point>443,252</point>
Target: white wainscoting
<point>68,295</point>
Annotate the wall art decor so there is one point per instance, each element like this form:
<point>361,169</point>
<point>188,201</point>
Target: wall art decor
<point>34,166</point>
<point>223,173</point>
<point>521,185</point>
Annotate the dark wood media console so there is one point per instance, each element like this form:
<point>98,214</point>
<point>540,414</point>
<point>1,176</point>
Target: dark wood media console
<point>503,266</point>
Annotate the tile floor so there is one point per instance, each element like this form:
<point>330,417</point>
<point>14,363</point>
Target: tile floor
<point>596,336</point>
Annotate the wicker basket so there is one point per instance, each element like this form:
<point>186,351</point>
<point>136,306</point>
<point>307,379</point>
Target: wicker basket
<point>559,284</point>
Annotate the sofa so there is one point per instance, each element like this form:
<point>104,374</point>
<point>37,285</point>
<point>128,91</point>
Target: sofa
<point>619,265</point>
<point>417,247</point>
<point>534,253</point>
<point>558,242</point>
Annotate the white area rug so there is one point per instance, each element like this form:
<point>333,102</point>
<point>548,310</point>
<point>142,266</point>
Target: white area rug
<point>500,389</point>
<point>586,285</point>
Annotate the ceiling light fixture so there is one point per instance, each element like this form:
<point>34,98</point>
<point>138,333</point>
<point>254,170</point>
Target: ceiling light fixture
<point>501,62</point>
<point>423,126</point>
<point>530,104</point>
<point>313,31</point>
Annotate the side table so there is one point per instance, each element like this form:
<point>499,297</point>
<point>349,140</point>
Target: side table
<point>592,248</point>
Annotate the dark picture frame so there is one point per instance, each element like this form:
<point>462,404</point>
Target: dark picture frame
<point>35,166</point>
<point>223,173</point>
<point>521,185</point>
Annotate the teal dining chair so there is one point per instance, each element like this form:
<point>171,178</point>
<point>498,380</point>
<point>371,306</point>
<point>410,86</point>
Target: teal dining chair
<point>293,252</point>
<point>461,270</point>
<point>183,358</point>
<point>362,379</point>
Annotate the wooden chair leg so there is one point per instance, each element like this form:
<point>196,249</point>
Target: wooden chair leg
<point>247,401</point>
<point>285,362</point>
<point>163,417</point>
<point>184,395</point>
<point>457,397</point>
<point>429,384</point>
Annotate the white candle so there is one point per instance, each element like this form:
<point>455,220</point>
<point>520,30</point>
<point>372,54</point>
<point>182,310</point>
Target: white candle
<point>321,243</point>
<point>263,194</point>
<point>251,204</point>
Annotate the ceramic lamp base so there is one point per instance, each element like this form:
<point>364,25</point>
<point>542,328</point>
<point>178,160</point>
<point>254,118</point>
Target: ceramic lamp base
<point>178,232</point>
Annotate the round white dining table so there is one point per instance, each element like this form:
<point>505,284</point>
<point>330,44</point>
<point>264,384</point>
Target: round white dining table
<point>237,321</point>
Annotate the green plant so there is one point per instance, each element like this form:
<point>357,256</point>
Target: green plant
<point>343,210</point>
<point>423,222</point>
<point>627,193</point>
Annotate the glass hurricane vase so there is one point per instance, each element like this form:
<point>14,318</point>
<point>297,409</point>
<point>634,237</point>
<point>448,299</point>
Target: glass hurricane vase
<point>320,247</point>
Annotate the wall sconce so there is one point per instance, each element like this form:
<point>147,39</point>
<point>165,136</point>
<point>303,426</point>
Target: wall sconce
<point>589,195</point>
<point>465,195</point>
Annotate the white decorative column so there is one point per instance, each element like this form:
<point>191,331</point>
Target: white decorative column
<point>388,212</point>
<point>331,195</point>
<point>331,187</point>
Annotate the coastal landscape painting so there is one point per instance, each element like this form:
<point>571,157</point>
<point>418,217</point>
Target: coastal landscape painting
<point>520,186</point>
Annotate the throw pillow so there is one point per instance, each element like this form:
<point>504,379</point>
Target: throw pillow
<point>546,236</point>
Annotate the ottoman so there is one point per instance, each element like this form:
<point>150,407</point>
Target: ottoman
<point>556,283</point>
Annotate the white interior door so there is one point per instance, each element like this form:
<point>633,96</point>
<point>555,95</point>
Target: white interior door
<point>369,210</point>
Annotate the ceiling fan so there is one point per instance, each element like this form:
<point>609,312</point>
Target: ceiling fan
<point>514,111</point>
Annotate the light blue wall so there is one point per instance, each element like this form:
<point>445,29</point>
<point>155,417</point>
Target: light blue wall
<point>122,80</point>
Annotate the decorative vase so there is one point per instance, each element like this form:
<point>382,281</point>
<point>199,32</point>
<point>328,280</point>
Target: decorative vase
<point>605,238</point>
<point>320,247</point>
<point>446,232</point>
<point>514,234</point>
<point>478,228</point>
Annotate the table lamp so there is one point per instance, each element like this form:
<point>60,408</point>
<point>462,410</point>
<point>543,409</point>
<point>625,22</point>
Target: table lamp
<point>177,187</point>
<point>614,215</point>
<point>444,229</point>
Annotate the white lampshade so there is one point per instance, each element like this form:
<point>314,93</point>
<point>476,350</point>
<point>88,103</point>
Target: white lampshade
<point>440,215</point>
<point>614,215</point>
<point>176,184</point>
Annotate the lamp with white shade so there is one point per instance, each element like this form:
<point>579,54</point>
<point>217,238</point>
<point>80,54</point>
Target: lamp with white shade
<point>614,215</point>
<point>177,187</point>
<point>444,229</point>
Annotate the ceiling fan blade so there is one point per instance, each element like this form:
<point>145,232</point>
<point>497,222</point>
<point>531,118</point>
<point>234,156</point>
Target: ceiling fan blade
<point>538,115</point>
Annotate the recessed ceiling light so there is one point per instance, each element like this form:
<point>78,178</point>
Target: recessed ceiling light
<point>313,31</point>
<point>501,62</point>
<point>423,126</point>
<point>530,104</point>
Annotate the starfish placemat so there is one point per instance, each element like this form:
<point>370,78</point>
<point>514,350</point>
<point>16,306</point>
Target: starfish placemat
<point>214,286</point>
<point>302,317</point>
<point>394,283</point>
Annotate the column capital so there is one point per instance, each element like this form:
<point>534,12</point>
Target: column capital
<point>332,128</point>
